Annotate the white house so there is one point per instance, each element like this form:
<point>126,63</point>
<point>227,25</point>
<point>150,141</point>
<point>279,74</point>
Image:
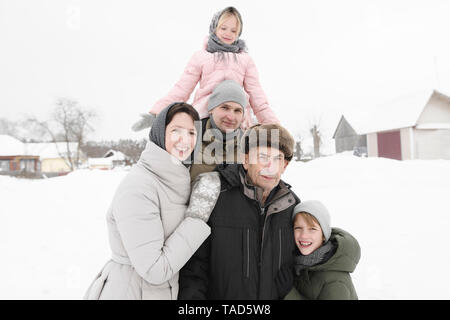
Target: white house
<point>112,158</point>
<point>54,156</point>
<point>415,126</point>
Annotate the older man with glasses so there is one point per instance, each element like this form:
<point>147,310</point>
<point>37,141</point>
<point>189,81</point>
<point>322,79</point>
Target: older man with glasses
<point>251,227</point>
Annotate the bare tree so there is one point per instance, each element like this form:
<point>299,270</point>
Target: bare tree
<point>298,153</point>
<point>69,122</point>
<point>317,140</point>
<point>316,133</point>
<point>132,148</point>
<point>8,127</point>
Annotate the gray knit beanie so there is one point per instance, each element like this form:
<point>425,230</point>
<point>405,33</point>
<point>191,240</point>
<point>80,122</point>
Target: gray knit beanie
<point>319,211</point>
<point>227,91</point>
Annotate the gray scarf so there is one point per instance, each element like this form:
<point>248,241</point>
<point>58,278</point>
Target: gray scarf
<point>320,255</point>
<point>215,45</point>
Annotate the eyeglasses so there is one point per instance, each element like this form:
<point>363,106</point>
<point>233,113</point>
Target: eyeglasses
<point>266,159</point>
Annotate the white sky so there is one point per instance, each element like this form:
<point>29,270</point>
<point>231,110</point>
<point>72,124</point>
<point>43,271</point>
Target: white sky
<point>316,59</point>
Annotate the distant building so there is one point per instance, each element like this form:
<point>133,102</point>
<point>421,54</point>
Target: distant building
<point>118,158</point>
<point>411,127</point>
<point>100,163</point>
<point>14,160</point>
<point>347,139</point>
<point>110,160</point>
<point>54,156</point>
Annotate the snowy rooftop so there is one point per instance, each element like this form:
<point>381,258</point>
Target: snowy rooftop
<point>115,155</point>
<point>10,146</point>
<point>401,112</point>
<point>50,150</point>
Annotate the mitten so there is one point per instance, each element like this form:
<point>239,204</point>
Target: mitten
<point>284,281</point>
<point>204,195</point>
<point>146,121</point>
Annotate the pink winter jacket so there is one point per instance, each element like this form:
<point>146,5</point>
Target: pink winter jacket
<point>203,67</point>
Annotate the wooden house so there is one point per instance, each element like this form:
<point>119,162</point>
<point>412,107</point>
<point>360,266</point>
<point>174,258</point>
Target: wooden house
<point>14,160</point>
<point>347,139</point>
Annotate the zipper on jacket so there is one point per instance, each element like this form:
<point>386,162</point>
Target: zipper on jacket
<point>263,209</point>
<point>265,220</point>
<point>262,243</point>
<point>279,261</point>
<point>248,253</point>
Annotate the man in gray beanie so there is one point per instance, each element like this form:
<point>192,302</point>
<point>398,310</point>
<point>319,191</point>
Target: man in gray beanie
<point>229,93</point>
<point>221,131</point>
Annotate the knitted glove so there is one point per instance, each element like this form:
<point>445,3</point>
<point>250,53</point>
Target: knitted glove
<point>204,195</point>
<point>284,281</point>
<point>146,121</point>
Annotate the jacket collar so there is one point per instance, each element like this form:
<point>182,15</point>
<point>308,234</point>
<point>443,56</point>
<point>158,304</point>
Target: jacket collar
<point>345,257</point>
<point>216,150</point>
<point>169,170</point>
<point>213,134</point>
<point>280,198</point>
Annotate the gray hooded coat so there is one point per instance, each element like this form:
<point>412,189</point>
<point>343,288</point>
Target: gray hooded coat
<point>150,237</point>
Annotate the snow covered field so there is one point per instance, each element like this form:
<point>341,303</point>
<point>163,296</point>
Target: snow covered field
<point>53,233</point>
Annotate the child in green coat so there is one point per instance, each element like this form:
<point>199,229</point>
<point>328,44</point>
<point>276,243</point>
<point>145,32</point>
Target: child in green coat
<point>325,257</point>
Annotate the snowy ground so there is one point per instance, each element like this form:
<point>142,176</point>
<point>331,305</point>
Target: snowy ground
<point>53,232</point>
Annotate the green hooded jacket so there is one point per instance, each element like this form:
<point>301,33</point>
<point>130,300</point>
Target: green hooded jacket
<point>330,280</point>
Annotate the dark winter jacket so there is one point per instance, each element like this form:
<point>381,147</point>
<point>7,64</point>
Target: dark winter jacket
<point>330,280</point>
<point>247,246</point>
